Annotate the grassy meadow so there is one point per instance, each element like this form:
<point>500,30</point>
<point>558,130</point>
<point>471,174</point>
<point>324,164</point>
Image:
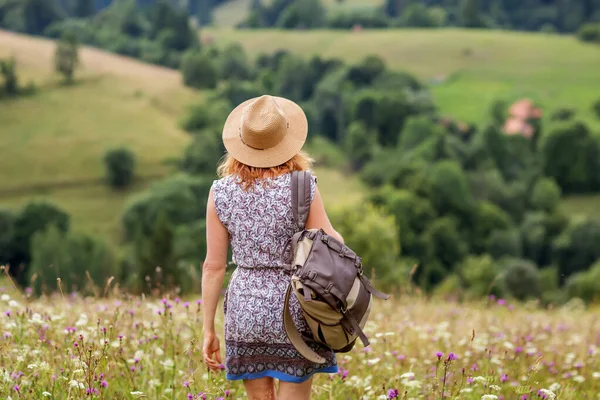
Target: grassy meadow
<point>466,69</point>
<point>123,347</point>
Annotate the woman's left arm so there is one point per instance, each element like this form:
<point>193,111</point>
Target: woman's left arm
<point>213,274</point>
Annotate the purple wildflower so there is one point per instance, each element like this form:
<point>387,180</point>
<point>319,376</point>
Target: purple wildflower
<point>104,384</point>
<point>392,393</point>
<point>439,354</point>
<point>504,378</point>
<point>452,357</point>
<point>190,396</point>
<point>186,384</point>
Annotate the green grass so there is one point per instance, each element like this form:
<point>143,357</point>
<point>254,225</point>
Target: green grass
<point>467,69</point>
<point>582,205</point>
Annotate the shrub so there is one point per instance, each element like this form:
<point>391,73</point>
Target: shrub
<point>535,238</point>
<point>562,114</point>
<point>205,115</point>
<point>479,275</point>
<point>35,217</point>
<point>66,56</point>
<point>521,279</point>
<point>444,243</point>
<point>572,157</point>
<point>589,33</point>
<point>8,70</point>
<point>236,92</point>
<point>577,247</point>
<point>70,257</point>
<point>7,232</point>
<point>372,235</point>
<point>233,64</point>
<point>120,167</point>
<point>181,197</point>
<point>450,189</point>
<point>488,218</point>
<point>202,155</point>
<point>505,243</point>
<point>199,70</point>
<point>360,144</point>
<point>585,285</point>
<point>348,20</point>
<point>545,195</point>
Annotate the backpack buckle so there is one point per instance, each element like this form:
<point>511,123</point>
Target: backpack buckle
<point>329,287</point>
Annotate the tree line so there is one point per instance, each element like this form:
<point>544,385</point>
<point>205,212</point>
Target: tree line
<point>532,15</point>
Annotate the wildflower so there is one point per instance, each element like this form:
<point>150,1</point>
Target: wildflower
<point>439,354</point>
<point>373,361</point>
<point>452,357</point>
<point>137,394</point>
<point>489,397</point>
<point>46,394</point>
<point>555,387</point>
<point>186,384</point>
<point>104,384</point>
<point>7,313</point>
<point>408,375</point>
<point>5,297</point>
<point>546,394</point>
<point>186,304</point>
<point>190,396</point>
<point>578,378</point>
<point>392,393</point>
<point>504,378</point>
<point>16,388</point>
<point>227,392</point>
<point>596,375</point>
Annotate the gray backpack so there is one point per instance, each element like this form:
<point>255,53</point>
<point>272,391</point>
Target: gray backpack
<point>328,281</point>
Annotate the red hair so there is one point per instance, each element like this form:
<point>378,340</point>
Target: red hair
<point>249,175</point>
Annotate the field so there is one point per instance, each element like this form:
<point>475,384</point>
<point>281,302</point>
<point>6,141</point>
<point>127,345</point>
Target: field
<point>55,139</point>
<point>124,347</point>
<point>466,69</point>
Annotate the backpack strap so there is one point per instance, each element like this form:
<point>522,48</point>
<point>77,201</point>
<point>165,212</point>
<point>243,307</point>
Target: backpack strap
<point>301,189</point>
<point>294,335</point>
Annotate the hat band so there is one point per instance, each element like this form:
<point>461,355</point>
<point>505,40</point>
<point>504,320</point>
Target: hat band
<point>246,144</point>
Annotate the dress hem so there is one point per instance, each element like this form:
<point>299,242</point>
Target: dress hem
<point>280,375</point>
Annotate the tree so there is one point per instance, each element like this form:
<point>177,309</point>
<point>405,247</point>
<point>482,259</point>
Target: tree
<point>596,108</point>
<point>199,70</point>
<point>120,167</point>
<point>545,195</point>
<point>202,10</point>
<point>7,232</point>
<point>66,57</point>
<point>83,8</point>
<point>35,217</point>
<point>521,279</point>
<point>469,13</point>
<point>9,75</point>
<point>360,144</point>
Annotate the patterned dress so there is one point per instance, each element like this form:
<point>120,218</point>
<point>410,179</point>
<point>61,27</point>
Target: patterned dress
<point>259,221</point>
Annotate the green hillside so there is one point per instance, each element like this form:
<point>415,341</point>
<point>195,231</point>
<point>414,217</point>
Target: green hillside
<point>467,69</point>
<point>54,140</point>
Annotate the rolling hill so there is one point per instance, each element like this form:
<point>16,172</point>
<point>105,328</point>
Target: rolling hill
<point>52,143</point>
<point>466,69</point>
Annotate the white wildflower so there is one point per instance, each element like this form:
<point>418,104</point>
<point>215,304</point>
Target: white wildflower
<point>466,390</point>
<point>46,394</point>
<point>138,354</point>
<point>13,304</point>
<point>5,297</point>
<point>412,384</point>
<point>36,319</point>
<point>555,387</point>
<point>596,375</point>
<point>139,394</point>
<point>407,375</point>
<point>480,379</point>
<point>389,333</point>
<point>578,378</point>
<point>31,366</point>
<point>168,363</point>
<point>549,393</point>
<point>167,390</point>
<point>44,366</point>
<point>489,397</point>
<point>495,387</point>
<point>373,361</point>
<point>382,397</point>
<point>78,371</point>
<point>82,321</point>
<point>158,351</point>
<point>74,383</point>
<point>154,382</point>
<point>509,345</point>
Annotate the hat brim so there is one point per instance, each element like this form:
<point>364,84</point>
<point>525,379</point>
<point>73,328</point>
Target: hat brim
<point>285,150</point>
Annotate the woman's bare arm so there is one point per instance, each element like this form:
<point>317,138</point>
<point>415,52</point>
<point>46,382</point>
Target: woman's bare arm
<point>213,270</point>
<point>318,219</point>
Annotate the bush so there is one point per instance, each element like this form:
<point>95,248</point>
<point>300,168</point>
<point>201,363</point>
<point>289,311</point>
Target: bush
<point>372,235</point>
<point>182,198</point>
<point>562,114</point>
<point>206,115</point>
<point>360,144</point>
<point>535,238</point>
<point>545,195</point>
<point>576,249</point>
<point>585,285</point>
<point>236,92</point>
<point>70,257</point>
<point>35,217</point>
<point>450,189</point>
<point>572,157</point>
<point>348,20</point>
<point>589,33</point>
<point>233,64</point>
<point>488,218</point>
<point>521,279</point>
<point>66,57</point>
<point>120,167</point>
<point>8,70</point>
<point>479,275</point>
<point>444,243</point>
<point>202,155</point>
<point>199,70</point>
<point>7,232</point>
<point>505,243</point>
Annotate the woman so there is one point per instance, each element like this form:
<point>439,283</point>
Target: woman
<point>250,207</point>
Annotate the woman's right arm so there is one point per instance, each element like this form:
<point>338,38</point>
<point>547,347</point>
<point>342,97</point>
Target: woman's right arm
<point>318,219</point>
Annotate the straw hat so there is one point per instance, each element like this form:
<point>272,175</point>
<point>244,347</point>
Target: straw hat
<point>265,131</point>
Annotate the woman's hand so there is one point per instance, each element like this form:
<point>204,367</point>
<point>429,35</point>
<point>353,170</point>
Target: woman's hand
<point>211,351</point>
